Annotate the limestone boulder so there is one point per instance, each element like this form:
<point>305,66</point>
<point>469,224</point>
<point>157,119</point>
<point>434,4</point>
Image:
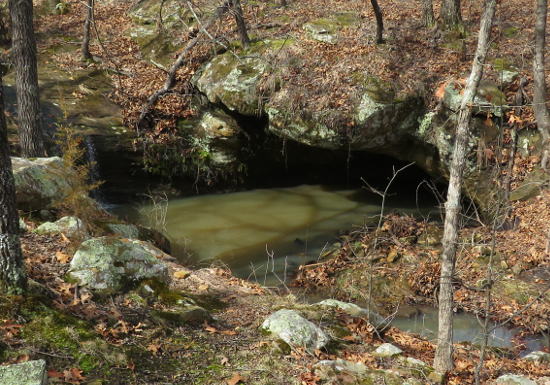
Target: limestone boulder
<point>110,264</point>
<point>40,182</point>
<point>295,330</point>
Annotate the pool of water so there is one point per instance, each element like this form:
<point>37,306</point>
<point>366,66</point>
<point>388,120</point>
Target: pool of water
<point>265,232</point>
<point>423,320</point>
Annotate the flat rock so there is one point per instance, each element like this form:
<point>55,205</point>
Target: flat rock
<point>72,227</point>
<point>538,356</point>
<point>514,379</point>
<point>295,330</point>
<point>25,373</point>
<point>354,310</point>
<point>387,350</point>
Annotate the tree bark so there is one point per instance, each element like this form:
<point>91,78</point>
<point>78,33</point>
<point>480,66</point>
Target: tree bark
<point>539,98</point>
<point>12,274</point>
<point>85,48</point>
<point>241,25</point>
<point>450,12</point>
<point>443,361</point>
<point>284,3</point>
<point>379,21</point>
<point>26,78</point>
<point>428,13</point>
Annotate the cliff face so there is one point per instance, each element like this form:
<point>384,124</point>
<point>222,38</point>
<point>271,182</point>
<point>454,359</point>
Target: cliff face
<point>317,79</point>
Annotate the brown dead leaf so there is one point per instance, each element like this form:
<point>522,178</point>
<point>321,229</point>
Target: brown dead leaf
<point>236,379</point>
<point>62,257</point>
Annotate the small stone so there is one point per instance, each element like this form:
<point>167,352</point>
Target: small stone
<point>414,362</point>
<point>23,227</point>
<point>514,379</point>
<point>25,373</point>
<point>353,310</point>
<point>295,330</point>
<point>72,227</point>
<point>538,357</point>
<point>191,314</point>
<point>340,365</point>
<point>387,350</point>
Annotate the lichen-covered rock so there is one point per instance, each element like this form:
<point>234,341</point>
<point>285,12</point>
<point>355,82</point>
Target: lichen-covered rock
<point>489,97</point>
<point>387,350</point>
<point>123,230</point>
<point>40,182</point>
<point>72,227</point>
<point>190,314</point>
<point>295,330</point>
<point>514,379</point>
<point>25,373</point>
<point>352,309</point>
<point>233,82</point>
<point>355,373</point>
<point>109,264</point>
<point>538,356</point>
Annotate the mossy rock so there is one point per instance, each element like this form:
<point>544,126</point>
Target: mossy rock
<point>40,182</point>
<point>180,316</point>
<point>232,82</point>
<point>112,264</point>
<point>532,186</point>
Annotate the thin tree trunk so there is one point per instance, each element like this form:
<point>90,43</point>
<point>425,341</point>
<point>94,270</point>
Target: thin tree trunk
<point>284,3</point>
<point>539,98</point>
<point>428,13</point>
<point>85,49</point>
<point>379,21</point>
<point>443,361</point>
<point>450,12</point>
<point>12,274</point>
<point>26,78</point>
<point>241,25</point>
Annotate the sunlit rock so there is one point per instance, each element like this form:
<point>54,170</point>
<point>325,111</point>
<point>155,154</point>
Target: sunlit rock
<point>25,373</point>
<point>295,330</point>
<point>109,264</point>
<point>72,227</point>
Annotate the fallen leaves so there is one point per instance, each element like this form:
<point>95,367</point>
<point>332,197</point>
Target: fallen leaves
<point>235,379</point>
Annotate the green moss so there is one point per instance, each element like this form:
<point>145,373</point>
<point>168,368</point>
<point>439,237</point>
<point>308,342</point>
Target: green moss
<point>510,32</point>
<point>502,64</point>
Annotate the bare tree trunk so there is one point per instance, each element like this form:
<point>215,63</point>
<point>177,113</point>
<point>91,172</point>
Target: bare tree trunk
<point>379,21</point>
<point>241,25</point>
<point>443,361</point>
<point>284,3</point>
<point>26,78</point>
<point>85,49</point>
<point>428,13</point>
<point>450,12</point>
<point>12,274</point>
<point>539,98</point>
